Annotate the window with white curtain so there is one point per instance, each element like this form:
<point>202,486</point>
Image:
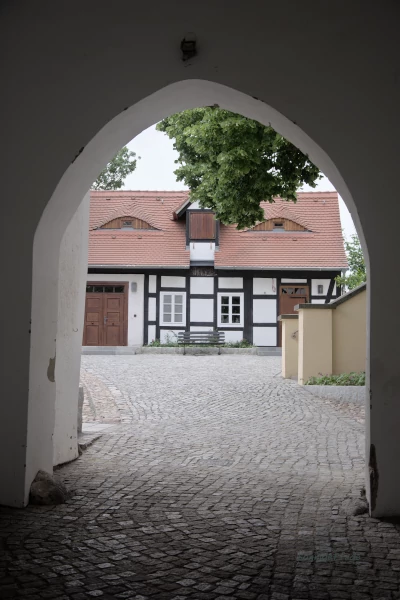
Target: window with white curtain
<point>173,308</point>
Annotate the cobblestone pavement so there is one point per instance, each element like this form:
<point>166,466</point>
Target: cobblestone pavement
<point>222,481</point>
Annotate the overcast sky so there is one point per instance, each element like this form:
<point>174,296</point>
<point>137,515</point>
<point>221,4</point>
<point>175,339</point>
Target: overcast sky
<point>155,170</point>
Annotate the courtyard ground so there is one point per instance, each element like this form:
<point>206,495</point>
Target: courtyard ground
<point>215,480</point>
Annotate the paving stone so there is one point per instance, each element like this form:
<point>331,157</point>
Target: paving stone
<point>216,479</point>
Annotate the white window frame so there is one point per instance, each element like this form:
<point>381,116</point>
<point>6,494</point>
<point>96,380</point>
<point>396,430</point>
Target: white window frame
<point>230,295</point>
<point>173,322</point>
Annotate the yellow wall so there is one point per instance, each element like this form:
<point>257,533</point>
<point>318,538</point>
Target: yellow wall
<point>290,347</point>
<point>349,335</point>
<point>315,343</point>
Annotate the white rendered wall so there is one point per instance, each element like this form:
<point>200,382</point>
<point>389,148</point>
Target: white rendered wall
<point>152,309</point>
<point>135,302</point>
<point>264,285</point>
<point>169,335</point>
<point>232,336</point>
<point>202,285</point>
<point>292,280</point>
<point>152,284</point>
<point>73,268</point>
<point>234,283</point>
<point>171,282</point>
<point>151,333</point>
<point>201,310</point>
<point>202,251</point>
<point>264,336</point>
<point>264,311</point>
<point>326,283</point>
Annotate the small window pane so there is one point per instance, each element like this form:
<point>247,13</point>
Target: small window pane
<point>89,288</point>
<point>167,318</point>
<point>225,309</point>
<point>98,288</point>
<point>167,308</point>
<point>235,318</point>
<point>119,289</point>
<point>178,318</point>
<point>235,299</point>
<point>225,300</point>
<point>168,299</point>
<point>236,309</point>
<point>224,318</point>
<point>178,308</point>
<point>178,299</point>
<point>109,289</point>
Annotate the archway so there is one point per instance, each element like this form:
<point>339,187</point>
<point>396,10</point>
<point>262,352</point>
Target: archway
<point>66,199</point>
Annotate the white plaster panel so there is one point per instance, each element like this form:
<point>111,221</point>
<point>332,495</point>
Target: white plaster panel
<point>152,284</point>
<point>202,250</point>
<point>231,283</point>
<point>286,280</point>
<point>264,336</point>
<point>135,303</point>
<point>202,285</point>
<point>318,301</point>
<point>264,311</point>
<point>232,336</point>
<point>264,285</point>
<point>202,309</point>
<point>171,334</point>
<point>71,294</point>
<point>151,332</point>
<point>172,282</point>
<point>325,282</point>
<point>201,328</point>
<point>152,309</point>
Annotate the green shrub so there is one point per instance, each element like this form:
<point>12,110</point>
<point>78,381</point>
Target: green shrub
<point>170,343</point>
<point>343,379</point>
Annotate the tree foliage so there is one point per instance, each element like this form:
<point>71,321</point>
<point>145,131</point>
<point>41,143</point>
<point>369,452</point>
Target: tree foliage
<point>231,163</point>
<point>117,170</point>
<point>357,273</point>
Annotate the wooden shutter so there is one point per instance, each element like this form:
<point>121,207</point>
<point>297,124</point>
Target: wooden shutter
<point>202,226</point>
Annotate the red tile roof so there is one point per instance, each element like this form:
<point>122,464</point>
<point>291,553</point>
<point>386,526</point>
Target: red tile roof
<point>320,247</point>
<point>165,247</point>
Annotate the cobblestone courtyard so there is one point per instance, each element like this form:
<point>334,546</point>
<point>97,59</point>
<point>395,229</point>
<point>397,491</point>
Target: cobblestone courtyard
<point>216,480</point>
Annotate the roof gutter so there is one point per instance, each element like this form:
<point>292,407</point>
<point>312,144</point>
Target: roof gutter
<point>123,267</point>
<point>247,268</point>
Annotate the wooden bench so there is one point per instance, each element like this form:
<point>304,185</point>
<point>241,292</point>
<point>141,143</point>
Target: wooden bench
<point>201,338</point>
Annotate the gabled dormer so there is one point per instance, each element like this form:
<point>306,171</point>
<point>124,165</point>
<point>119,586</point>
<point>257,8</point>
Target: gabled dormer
<point>202,232</point>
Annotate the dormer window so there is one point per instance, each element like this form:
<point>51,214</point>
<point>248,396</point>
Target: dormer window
<point>279,224</point>
<point>127,222</point>
<point>202,225</point>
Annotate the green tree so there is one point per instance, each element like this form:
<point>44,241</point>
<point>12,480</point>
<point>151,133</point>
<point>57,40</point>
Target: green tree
<point>357,272</point>
<point>231,163</point>
<point>117,170</point>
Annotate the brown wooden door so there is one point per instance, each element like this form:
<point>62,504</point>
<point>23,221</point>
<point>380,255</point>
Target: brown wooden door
<point>113,319</point>
<point>289,297</point>
<point>105,315</point>
<point>93,327</point>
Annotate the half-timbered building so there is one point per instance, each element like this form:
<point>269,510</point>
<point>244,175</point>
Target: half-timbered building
<point>159,264</point>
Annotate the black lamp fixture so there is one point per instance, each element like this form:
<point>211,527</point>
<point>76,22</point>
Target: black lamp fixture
<point>188,46</point>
